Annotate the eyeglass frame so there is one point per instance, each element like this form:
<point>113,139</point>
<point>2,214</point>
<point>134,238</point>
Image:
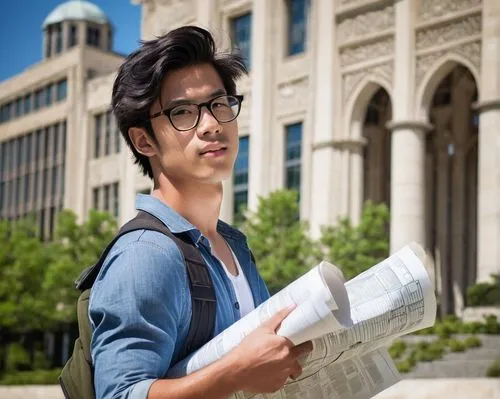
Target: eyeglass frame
<point>206,104</point>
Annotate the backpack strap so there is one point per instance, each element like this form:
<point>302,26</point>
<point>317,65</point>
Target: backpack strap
<point>203,298</point>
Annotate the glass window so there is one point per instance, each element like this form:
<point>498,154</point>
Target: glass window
<point>73,36</point>
<point>29,153</point>
<point>38,100</point>
<point>62,90</point>
<point>116,199</point>
<point>48,37</point>
<point>46,142</point>
<point>293,156</point>
<point>19,107</point>
<point>27,103</point>
<point>55,141</point>
<point>97,135</point>
<point>240,180</point>
<point>107,133</point>
<point>26,191</point>
<point>297,25</point>
<point>48,94</point>
<point>58,33</point>
<point>7,114</point>
<point>118,136</point>
<point>106,197</point>
<point>241,28</point>
<point>95,198</point>
<point>54,180</point>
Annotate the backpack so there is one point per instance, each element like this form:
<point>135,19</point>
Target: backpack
<point>76,378</point>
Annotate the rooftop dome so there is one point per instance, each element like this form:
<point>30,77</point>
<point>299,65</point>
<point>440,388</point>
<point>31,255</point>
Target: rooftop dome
<point>76,9</point>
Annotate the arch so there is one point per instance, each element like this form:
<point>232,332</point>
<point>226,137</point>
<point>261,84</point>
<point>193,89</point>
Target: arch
<point>357,104</point>
<point>433,77</point>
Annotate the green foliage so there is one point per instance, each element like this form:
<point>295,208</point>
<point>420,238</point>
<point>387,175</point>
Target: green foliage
<point>280,240</point>
<point>456,345</point>
<point>354,249</point>
<point>472,342</point>
<point>494,369</point>
<point>453,325</point>
<point>23,260</point>
<point>75,247</point>
<point>397,349</point>
<point>485,293</point>
<point>36,377</point>
<point>17,358</point>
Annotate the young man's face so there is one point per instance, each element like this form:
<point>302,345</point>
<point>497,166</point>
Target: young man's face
<point>205,153</point>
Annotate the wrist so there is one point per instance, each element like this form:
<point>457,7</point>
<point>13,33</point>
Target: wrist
<point>233,371</point>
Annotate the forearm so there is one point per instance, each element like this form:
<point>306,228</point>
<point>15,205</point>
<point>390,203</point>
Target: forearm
<point>216,381</point>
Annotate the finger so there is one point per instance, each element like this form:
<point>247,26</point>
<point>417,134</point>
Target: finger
<point>275,321</point>
<point>304,347</point>
<point>296,371</point>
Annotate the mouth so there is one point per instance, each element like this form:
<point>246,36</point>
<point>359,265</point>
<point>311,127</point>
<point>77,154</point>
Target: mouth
<point>215,152</point>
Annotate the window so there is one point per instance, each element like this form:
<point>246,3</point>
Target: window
<point>48,38</point>
<point>297,25</point>
<point>241,28</point>
<point>19,107</point>
<point>62,90</point>
<point>115,203</point>
<point>240,180</point>
<point>97,135</point>
<point>58,33</point>
<point>48,94</point>
<point>95,198</point>
<point>293,156</point>
<point>93,36</point>
<point>107,133</point>
<point>73,36</point>
<point>27,103</point>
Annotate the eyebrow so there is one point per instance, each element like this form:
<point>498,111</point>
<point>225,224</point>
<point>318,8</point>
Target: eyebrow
<point>179,101</point>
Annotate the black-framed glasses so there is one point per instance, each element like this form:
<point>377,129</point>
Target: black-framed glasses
<point>184,117</point>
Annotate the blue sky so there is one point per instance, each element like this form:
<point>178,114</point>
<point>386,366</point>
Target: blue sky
<point>21,35</point>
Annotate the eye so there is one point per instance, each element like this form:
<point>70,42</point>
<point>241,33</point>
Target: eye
<point>182,110</point>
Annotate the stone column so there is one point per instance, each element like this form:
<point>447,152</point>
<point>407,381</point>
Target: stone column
<point>489,145</point>
<point>356,176</point>
<point>65,36</point>
<point>323,123</point>
<point>408,139</point>
<point>407,183</point>
<point>262,67</point>
<point>208,15</point>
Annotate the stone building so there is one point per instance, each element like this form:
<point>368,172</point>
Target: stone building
<point>347,100</point>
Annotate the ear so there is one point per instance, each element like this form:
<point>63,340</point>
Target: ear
<point>143,143</point>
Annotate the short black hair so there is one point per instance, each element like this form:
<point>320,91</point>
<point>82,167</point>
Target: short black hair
<point>139,80</point>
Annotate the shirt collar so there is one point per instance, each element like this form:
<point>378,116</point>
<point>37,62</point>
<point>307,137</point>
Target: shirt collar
<point>176,223</point>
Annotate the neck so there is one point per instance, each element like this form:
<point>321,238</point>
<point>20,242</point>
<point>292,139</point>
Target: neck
<point>198,203</point>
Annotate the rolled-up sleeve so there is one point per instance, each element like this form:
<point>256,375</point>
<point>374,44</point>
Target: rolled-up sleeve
<point>136,307</point>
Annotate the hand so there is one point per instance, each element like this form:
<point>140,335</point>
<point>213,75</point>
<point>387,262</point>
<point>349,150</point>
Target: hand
<point>265,360</point>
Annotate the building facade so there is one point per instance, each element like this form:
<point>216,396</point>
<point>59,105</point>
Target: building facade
<point>346,101</point>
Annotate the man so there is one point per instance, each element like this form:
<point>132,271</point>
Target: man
<point>176,105</point>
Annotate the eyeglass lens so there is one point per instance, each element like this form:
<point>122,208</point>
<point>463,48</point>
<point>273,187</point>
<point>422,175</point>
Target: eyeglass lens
<point>224,109</point>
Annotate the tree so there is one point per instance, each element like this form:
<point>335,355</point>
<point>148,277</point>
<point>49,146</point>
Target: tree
<point>23,260</point>
<point>356,248</point>
<point>75,247</point>
<point>279,240</point>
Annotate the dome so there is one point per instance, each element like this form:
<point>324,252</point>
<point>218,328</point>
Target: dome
<point>76,9</point>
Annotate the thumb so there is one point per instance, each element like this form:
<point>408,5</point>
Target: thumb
<point>275,321</point>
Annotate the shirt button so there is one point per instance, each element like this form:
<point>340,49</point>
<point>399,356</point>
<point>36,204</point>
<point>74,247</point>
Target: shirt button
<point>237,305</point>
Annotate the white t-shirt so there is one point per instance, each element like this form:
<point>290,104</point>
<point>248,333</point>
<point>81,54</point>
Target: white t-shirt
<point>241,287</point>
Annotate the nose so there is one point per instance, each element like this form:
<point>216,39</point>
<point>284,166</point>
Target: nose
<point>207,123</point>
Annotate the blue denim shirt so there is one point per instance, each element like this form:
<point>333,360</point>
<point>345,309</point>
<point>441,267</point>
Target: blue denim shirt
<point>140,305</point>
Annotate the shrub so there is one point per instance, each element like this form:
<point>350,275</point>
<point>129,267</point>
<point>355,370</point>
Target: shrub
<point>494,369</point>
<point>397,349</point>
<point>36,377</point>
<point>472,342</point>
<point>456,345</point>
<point>17,358</point>
<point>484,293</point>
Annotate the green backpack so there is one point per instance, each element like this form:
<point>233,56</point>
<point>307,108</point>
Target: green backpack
<point>76,378</point>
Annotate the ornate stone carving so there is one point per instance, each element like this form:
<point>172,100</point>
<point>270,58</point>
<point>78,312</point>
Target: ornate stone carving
<point>449,32</point>
<point>429,9</point>
<point>367,51</point>
<point>365,24</point>
<point>350,80</point>
<point>346,3</point>
<point>293,96</point>
<point>470,51</point>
